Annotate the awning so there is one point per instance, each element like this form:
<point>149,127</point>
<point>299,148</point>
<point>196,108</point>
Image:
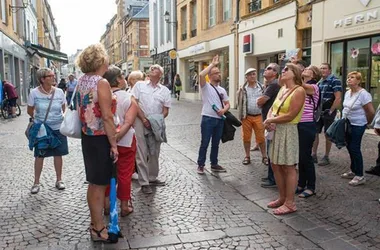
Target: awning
<point>49,53</point>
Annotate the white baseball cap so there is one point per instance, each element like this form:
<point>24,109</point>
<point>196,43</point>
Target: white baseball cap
<point>250,70</point>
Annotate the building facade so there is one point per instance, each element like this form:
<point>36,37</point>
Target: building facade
<point>163,37</point>
<point>204,30</point>
<point>347,35</point>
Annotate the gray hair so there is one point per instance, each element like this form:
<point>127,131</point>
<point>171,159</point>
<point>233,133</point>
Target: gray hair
<point>41,73</point>
<point>157,66</point>
<point>112,74</point>
<point>276,68</point>
<point>137,74</point>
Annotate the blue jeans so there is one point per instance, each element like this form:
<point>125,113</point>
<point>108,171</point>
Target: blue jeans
<point>306,135</point>
<point>210,128</point>
<point>270,170</point>
<point>354,141</point>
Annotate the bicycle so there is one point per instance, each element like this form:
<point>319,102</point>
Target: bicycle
<point>6,109</point>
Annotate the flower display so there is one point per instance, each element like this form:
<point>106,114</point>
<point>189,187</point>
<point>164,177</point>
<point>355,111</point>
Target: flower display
<point>376,48</point>
<point>354,53</point>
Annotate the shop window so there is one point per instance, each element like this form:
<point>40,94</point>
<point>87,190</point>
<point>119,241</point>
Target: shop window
<point>224,70</point>
<point>337,59</point>
<point>358,55</point>
<point>184,23</point>
<point>254,5</point>
<point>211,13</point>
<point>192,82</point>
<point>375,71</point>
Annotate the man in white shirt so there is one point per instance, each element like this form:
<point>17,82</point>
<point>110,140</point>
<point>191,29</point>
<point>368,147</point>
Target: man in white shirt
<point>153,98</point>
<point>212,122</point>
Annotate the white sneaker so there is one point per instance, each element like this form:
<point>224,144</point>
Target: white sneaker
<point>348,175</point>
<point>357,180</point>
<point>35,189</point>
<point>135,176</point>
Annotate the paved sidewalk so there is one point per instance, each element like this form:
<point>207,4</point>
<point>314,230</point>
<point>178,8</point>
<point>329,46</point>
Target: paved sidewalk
<point>226,211</point>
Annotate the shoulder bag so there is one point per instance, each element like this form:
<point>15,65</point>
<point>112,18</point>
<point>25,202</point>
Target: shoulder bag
<point>269,134</point>
<point>340,128</point>
<point>31,122</point>
<point>71,125</point>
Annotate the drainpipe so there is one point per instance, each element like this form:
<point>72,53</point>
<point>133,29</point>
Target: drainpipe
<point>236,50</point>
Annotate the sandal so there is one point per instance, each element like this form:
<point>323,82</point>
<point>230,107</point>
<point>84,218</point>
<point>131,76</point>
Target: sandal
<point>275,204</point>
<point>299,190</point>
<point>265,161</point>
<point>97,237</point>
<point>285,209</point>
<point>246,161</point>
<point>307,193</point>
<point>125,212</point>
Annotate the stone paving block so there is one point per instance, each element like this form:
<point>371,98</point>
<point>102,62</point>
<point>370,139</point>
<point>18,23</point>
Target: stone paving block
<point>318,235</point>
<point>277,228</point>
<point>153,241</point>
<point>247,206</point>
<point>232,196</point>
<point>201,236</point>
<point>240,231</point>
<point>337,244</point>
<point>295,242</point>
<point>300,223</point>
<point>262,217</point>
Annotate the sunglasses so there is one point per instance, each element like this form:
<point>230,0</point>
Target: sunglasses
<point>286,69</point>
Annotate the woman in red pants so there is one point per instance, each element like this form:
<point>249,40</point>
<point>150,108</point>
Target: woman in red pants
<point>126,112</point>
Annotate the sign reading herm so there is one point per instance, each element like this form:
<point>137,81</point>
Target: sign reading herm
<point>248,43</point>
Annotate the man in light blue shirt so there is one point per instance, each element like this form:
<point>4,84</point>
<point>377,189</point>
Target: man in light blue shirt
<point>70,87</point>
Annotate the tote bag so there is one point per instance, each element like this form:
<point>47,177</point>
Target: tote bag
<point>71,125</point>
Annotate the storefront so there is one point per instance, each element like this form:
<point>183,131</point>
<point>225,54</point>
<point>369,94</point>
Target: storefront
<point>349,39</point>
<point>265,38</point>
<point>13,66</point>
<point>192,60</point>
<point>169,65</point>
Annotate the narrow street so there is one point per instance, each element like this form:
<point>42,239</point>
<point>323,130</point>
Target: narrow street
<point>225,211</point>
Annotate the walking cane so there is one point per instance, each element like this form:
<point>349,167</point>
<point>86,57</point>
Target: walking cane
<point>113,226</point>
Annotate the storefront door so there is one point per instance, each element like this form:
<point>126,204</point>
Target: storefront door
<point>375,71</point>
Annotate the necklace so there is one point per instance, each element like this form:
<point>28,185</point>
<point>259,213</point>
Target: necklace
<point>43,90</point>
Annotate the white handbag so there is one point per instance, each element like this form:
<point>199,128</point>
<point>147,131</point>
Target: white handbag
<point>71,125</point>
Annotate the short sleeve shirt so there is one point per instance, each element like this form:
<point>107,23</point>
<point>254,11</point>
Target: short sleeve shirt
<point>357,115</point>
<point>211,97</point>
<point>329,86</point>
<point>310,104</point>
<point>151,99</point>
<point>40,102</point>
<point>253,93</point>
<point>270,91</point>
<point>71,85</point>
<point>123,100</point>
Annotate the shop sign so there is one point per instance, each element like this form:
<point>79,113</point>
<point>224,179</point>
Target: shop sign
<point>357,19</point>
<point>248,43</point>
<point>198,48</point>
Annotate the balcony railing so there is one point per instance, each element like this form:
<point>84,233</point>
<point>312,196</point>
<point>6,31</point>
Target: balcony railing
<point>183,36</point>
<point>254,6</point>
<point>194,33</point>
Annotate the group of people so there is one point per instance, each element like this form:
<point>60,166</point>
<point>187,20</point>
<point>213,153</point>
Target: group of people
<point>287,113</point>
<point>120,125</point>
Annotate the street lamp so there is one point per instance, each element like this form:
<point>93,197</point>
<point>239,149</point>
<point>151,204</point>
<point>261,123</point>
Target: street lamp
<point>167,19</point>
<point>14,9</point>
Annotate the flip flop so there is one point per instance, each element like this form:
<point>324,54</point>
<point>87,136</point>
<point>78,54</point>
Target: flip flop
<point>275,204</point>
<point>306,194</point>
<point>284,209</point>
<point>246,161</point>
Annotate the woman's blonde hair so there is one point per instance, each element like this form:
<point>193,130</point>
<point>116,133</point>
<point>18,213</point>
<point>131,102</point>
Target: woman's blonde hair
<point>92,58</point>
<point>297,73</point>
<point>357,75</point>
<point>317,75</point>
<point>42,73</point>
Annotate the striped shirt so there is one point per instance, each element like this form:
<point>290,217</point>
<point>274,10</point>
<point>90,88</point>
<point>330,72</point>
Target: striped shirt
<point>308,111</point>
<point>329,86</point>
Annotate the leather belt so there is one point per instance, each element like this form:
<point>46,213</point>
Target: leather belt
<point>253,115</point>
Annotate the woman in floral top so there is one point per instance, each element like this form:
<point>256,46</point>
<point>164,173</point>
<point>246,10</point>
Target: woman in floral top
<point>96,109</point>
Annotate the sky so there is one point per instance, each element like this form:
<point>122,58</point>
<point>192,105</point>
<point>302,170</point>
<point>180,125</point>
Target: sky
<point>81,22</point>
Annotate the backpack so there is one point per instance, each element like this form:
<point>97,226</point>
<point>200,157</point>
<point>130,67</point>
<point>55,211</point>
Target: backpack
<point>317,108</point>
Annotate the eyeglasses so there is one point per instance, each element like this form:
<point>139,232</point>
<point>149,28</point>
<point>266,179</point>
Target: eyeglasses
<point>49,76</point>
<point>269,68</point>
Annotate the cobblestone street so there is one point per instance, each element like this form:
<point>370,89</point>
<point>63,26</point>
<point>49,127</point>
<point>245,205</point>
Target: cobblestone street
<point>225,211</point>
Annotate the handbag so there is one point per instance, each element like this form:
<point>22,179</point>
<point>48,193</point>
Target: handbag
<point>31,123</point>
<point>71,125</point>
<point>269,134</point>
